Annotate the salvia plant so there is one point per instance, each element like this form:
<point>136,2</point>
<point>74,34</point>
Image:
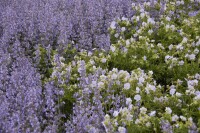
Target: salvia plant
<point>113,66</point>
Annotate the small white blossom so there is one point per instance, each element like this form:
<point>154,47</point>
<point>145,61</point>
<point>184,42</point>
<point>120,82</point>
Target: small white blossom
<point>178,94</point>
<point>137,18</point>
<point>137,121</point>
<point>128,101</point>
<point>172,27</point>
<point>148,124</point>
<point>116,35</point>
<point>168,18</point>
<point>150,31</point>
<point>145,58</point>
<point>127,42</point>
<point>175,118</point>
<point>114,76</point>
<point>124,18</point>
<point>151,21</point>
<point>153,113</point>
<point>100,84</point>
<point>112,26</point>
<point>115,114</point>
<point>137,97</point>
<point>141,80</point>
<point>137,90</point>
<point>92,62</point>
<point>103,60</point>
<point>167,27</point>
<point>184,40</point>
<point>89,53</point>
<point>168,110</point>
<point>172,91</point>
<point>123,29</point>
<point>181,62</point>
<point>112,48</point>
<point>142,15</point>
<point>183,118</point>
<point>121,130</point>
<point>196,51</point>
<point>170,47</point>
<point>191,56</point>
<point>127,86</point>
<point>143,110</point>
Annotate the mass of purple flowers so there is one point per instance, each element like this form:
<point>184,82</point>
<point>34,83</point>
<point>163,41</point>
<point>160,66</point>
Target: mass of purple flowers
<point>43,42</point>
<point>27,102</point>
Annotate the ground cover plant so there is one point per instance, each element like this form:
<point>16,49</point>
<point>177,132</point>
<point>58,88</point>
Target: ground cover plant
<point>125,71</point>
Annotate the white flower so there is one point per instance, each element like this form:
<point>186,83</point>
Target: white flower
<point>172,91</point>
<point>112,48</point>
<point>151,21</point>
<point>168,110</point>
<point>124,18</point>
<point>178,94</point>
<point>125,50</point>
<point>196,51</point>
<point>103,60</point>
<point>114,76</point>
<point>115,114</point>
<point>127,86</point>
<point>153,113</point>
<point>100,84</point>
<point>137,121</point>
<point>179,47</point>
<point>137,18</point>
<point>137,90</point>
<point>142,15</point>
<point>141,80</point>
<point>115,70</point>
<point>123,29</point>
<point>183,118</point>
<point>144,24</point>
<point>133,4</point>
<point>191,56</point>
<point>150,72</point>
<point>197,97</point>
<point>150,32</point>
<point>128,101</point>
<point>116,35</point>
<point>197,76</point>
<point>168,18</point>
<point>137,97</point>
<point>152,87</point>
<point>145,58</point>
<point>143,110</point>
<point>175,118</point>
<point>92,62</point>
<point>148,124</point>
<point>127,42</point>
<point>112,26</point>
<point>184,40</point>
<point>170,47</point>
<point>181,62</point>
<point>118,82</point>
<point>89,53</point>
<point>172,27</point>
<point>167,27</point>
<point>121,130</point>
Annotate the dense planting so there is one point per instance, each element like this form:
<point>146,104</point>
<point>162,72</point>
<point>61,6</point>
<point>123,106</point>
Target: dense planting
<point>100,66</point>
